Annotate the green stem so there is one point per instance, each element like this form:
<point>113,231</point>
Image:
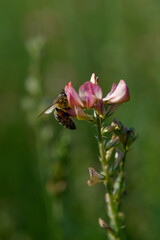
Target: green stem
<point>112,212</point>
<point>121,179</point>
<point>101,146</point>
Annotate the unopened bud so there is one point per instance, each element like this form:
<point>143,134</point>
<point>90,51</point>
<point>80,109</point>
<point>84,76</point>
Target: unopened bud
<point>112,143</point>
<point>116,186</point>
<point>116,124</point>
<point>131,137</point>
<point>99,107</point>
<point>118,157</point>
<point>108,154</point>
<point>120,130</point>
<point>107,129</point>
<point>126,136</point>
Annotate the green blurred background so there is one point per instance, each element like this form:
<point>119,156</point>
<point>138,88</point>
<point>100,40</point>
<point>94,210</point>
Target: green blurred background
<point>43,167</point>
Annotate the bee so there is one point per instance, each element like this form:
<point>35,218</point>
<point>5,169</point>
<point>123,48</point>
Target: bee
<point>60,107</point>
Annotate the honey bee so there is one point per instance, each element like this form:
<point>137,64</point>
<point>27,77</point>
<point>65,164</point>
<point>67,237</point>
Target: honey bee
<point>60,107</point>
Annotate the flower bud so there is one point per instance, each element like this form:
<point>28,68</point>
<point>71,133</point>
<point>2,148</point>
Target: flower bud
<point>131,136</point>
<point>107,129</point>
<point>119,130</point>
<point>118,126</point>
<point>108,154</point>
<point>118,157</point>
<point>99,107</point>
<point>112,143</point>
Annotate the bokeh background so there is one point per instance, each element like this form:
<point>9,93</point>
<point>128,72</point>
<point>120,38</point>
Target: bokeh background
<point>44,167</point>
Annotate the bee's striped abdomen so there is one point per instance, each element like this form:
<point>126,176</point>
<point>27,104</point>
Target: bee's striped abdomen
<point>64,119</point>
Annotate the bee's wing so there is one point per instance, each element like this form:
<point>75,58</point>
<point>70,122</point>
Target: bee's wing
<point>48,110</point>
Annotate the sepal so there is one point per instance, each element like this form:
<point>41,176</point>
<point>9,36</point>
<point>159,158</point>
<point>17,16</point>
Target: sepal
<point>95,177</point>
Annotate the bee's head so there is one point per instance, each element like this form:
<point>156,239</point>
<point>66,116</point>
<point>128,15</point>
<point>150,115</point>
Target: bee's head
<point>63,93</point>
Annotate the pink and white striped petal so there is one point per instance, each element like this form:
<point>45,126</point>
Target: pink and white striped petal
<point>114,86</point>
<point>118,94</point>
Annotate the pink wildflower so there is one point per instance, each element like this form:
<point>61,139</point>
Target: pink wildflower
<point>90,96</point>
<point>89,93</point>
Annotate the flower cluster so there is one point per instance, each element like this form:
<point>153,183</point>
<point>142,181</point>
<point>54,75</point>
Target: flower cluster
<point>90,96</point>
<point>113,148</point>
<point>125,135</point>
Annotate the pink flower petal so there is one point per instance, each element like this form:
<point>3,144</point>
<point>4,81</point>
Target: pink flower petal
<point>72,96</point>
<point>81,115</point>
<point>97,91</point>
<point>88,100</point>
<point>86,94</point>
<point>94,79</point>
<point>119,94</point>
<point>89,92</point>
<point>114,86</point>
<point>86,88</point>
